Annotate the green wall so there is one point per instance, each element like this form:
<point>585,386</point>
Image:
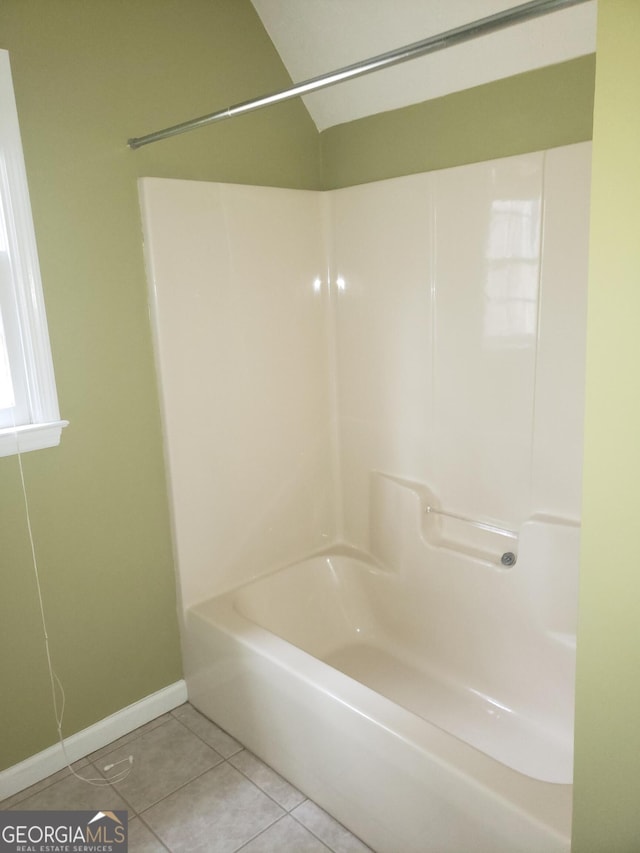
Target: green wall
<point>88,74</point>
<point>606,798</point>
<point>540,109</point>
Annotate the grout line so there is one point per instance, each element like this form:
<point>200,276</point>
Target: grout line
<point>224,757</point>
<point>260,788</point>
<point>341,825</point>
<point>180,787</point>
<point>202,740</point>
<point>112,786</point>
<point>321,840</point>
<point>155,835</point>
<point>258,834</point>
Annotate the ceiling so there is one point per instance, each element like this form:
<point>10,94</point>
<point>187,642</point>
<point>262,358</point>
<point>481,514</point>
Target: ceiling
<point>317,36</point>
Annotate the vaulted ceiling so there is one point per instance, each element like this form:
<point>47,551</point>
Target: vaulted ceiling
<point>317,36</point>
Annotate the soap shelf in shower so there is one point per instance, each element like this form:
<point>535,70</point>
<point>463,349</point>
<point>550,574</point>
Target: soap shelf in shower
<point>480,539</point>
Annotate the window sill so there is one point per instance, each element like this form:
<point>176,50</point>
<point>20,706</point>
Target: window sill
<point>30,437</point>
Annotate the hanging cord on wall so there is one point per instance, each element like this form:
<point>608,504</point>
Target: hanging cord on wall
<point>55,683</point>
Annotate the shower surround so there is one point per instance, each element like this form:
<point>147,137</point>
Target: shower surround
<point>391,376</point>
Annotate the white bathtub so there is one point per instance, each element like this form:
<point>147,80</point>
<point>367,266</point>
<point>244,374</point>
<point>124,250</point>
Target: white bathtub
<point>390,718</point>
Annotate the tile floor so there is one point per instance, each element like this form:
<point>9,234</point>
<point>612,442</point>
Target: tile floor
<point>194,788</point>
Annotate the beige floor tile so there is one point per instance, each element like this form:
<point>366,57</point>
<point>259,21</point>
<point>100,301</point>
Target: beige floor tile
<point>164,759</point>
<point>264,777</point>
<point>332,833</point>
<point>208,731</point>
<point>285,836</point>
<point>216,813</point>
<point>142,840</point>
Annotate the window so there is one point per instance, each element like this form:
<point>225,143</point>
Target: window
<point>29,415</point>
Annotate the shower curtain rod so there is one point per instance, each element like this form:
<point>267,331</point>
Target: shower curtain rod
<point>466,32</point>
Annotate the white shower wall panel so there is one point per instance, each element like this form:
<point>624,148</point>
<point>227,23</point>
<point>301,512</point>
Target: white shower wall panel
<point>460,335</point>
<point>560,373</point>
<point>430,327</point>
<point>486,277</point>
<point>383,256</point>
<point>240,328</point>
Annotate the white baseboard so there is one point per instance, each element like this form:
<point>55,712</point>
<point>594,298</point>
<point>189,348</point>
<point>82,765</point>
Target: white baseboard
<point>49,761</point>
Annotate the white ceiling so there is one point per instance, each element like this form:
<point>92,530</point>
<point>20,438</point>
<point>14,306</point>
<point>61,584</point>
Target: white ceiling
<point>317,36</point>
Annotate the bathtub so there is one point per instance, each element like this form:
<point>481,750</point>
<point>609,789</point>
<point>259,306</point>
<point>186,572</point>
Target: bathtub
<point>301,668</point>
<point>421,693</point>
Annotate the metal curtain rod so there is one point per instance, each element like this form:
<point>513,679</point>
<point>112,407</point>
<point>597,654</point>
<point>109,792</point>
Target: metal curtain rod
<point>466,32</point>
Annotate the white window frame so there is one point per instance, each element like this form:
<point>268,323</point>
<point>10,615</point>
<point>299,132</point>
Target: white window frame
<point>36,424</point>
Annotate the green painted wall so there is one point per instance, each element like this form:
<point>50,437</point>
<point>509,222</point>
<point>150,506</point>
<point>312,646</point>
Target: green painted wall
<point>606,799</point>
<point>88,74</point>
<point>540,109</point>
